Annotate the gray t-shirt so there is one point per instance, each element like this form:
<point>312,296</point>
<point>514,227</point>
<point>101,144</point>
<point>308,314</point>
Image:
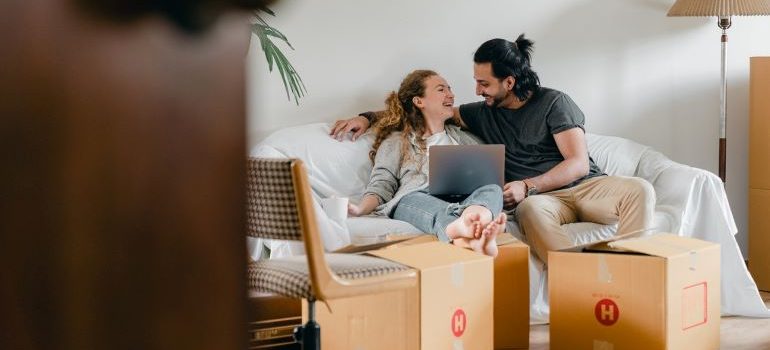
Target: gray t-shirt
<point>527,132</point>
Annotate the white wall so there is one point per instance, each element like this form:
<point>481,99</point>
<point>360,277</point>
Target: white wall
<point>635,72</point>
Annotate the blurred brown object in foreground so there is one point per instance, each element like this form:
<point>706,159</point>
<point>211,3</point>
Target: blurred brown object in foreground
<point>122,181</point>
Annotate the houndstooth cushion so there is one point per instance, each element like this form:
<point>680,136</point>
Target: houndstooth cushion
<point>289,276</point>
<point>271,204</point>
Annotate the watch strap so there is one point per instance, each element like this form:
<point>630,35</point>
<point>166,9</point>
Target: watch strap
<point>530,187</point>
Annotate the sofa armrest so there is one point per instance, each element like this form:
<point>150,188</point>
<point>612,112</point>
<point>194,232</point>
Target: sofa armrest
<point>697,201</point>
<point>693,199</point>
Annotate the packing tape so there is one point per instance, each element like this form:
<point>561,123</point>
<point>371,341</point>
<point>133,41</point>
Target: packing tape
<point>458,275</point>
<point>693,260</point>
<point>603,275</point>
<point>603,345</point>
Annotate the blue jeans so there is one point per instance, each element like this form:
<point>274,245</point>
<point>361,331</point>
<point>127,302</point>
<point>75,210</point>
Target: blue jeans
<point>433,215</point>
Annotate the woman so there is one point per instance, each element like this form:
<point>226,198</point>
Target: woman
<point>419,116</point>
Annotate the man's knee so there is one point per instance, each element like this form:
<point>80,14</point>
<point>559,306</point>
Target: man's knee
<point>642,189</point>
<point>532,206</point>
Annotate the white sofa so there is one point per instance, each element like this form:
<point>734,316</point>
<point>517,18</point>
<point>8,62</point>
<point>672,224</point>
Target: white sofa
<point>690,202</point>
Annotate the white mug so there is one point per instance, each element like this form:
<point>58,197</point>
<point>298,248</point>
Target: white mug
<point>336,208</point>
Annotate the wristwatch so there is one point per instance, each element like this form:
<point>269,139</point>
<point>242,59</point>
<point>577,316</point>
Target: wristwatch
<point>531,188</point>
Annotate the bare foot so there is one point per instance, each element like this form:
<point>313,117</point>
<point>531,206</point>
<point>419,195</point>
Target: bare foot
<point>490,233</point>
<point>477,244</point>
<point>468,225</point>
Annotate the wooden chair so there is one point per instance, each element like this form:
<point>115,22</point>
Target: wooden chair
<point>280,206</point>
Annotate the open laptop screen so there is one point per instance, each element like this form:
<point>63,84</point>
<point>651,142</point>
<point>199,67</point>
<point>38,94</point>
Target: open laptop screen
<point>461,169</point>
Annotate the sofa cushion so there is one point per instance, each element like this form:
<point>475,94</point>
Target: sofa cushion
<point>290,276</point>
<point>334,168</point>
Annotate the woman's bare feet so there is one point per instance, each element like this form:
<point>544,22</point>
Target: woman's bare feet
<point>487,243</point>
<point>468,225</point>
<point>490,233</point>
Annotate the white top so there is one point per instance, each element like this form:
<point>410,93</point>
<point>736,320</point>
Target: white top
<point>439,139</point>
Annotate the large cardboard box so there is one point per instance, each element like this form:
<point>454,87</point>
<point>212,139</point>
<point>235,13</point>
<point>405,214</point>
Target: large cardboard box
<point>456,294</point>
<point>450,308</point>
<point>655,292</point>
<point>511,315</point>
<point>380,321</point>
<point>383,321</point>
<point>759,172</point>
<point>391,320</point>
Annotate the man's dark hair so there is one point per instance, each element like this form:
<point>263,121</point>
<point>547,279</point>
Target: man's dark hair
<point>511,59</point>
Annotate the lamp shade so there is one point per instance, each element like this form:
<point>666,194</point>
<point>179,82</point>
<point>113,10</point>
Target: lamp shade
<point>719,8</point>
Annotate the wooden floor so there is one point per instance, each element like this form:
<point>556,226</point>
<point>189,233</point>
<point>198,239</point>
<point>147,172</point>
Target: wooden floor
<point>737,332</point>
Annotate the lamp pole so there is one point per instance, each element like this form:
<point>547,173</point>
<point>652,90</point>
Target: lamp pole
<point>723,23</point>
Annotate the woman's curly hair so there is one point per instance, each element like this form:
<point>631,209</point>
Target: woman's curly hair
<point>402,115</point>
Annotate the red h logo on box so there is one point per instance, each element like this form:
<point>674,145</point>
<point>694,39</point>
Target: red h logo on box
<point>607,312</point>
<point>459,322</point>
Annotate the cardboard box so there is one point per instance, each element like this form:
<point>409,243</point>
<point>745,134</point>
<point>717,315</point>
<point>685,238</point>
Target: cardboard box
<point>456,294</point>
<point>654,292</point>
<point>388,241</point>
<point>398,312</point>
<point>759,172</point>
<point>380,321</point>
<point>383,321</point>
<point>511,297</point>
<point>450,308</point>
<point>759,237</point>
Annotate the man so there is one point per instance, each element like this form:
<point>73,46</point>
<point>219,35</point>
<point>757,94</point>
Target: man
<point>550,178</point>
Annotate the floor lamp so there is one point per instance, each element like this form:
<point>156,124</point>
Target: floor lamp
<point>723,10</point>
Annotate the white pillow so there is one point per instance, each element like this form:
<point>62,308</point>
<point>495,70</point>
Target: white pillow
<point>615,155</point>
<point>335,168</point>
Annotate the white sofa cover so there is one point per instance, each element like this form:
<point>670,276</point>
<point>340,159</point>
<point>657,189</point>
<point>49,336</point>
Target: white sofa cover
<point>690,202</point>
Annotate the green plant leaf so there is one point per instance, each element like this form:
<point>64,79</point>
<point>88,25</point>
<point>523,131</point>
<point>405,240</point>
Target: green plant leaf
<point>292,82</point>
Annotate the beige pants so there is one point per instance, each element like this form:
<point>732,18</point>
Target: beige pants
<point>628,201</point>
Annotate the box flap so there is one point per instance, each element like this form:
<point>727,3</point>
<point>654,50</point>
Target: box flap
<point>663,245</point>
<point>428,255</point>
<point>603,245</point>
<point>505,238</point>
<point>390,240</point>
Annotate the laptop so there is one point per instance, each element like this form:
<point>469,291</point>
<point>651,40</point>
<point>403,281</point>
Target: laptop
<point>458,170</point>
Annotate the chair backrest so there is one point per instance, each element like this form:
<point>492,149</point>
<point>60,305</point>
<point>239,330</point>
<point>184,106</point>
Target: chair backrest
<point>279,206</point>
<point>271,203</point>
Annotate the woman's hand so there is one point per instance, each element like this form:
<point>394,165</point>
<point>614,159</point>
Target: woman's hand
<point>365,207</point>
<point>354,210</point>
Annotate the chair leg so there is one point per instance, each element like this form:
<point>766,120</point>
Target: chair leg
<point>309,334</point>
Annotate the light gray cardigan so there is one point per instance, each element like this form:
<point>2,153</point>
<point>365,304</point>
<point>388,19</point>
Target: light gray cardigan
<point>390,180</point>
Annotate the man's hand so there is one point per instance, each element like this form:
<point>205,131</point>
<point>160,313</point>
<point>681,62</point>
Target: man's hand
<point>357,125</point>
<point>513,193</point>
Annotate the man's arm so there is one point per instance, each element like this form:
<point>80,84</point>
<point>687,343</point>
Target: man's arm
<point>360,123</point>
<point>357,125</point>
<point>572,145</point>
<point>457,116</point>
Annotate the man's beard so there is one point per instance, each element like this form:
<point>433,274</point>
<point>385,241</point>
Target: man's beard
<point>497,100</point>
